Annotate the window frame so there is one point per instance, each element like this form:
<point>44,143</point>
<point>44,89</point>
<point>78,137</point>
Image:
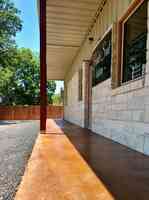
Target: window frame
<point>98,43</point>
<point>121,26</point>
<point>80,84</point>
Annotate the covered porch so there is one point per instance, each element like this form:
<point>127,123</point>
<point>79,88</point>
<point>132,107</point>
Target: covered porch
<point>70,162</point>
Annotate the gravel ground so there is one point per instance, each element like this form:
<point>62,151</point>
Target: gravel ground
<point>16,142</point>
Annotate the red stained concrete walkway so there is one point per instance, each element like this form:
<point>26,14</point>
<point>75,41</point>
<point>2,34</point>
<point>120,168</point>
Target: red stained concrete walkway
<point>56,171</point>
<point>59,167</point>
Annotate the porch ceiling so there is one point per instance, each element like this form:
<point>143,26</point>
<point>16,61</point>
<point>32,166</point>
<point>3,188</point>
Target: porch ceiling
<point>68,22</point>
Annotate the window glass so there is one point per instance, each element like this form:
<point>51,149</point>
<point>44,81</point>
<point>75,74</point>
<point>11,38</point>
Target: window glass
<point>135,37</point>
<point>101,61</point>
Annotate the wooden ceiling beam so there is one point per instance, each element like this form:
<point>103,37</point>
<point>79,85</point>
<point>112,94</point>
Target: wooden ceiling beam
<point>68,23</point>
<point>74,20</point>
<point>64,32</point>
<point>69,35</point>
<point>66,28</point>
<point>70,6</point>
<point>84,3</point>
<point>63,45</point>
<point>67,16</point>
<point>62,12</point>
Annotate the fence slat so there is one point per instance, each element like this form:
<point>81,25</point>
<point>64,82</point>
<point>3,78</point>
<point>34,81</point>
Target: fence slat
<point>29,112</point>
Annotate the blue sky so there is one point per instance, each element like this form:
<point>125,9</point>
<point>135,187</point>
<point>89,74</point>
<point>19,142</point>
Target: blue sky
<point>29,36</point>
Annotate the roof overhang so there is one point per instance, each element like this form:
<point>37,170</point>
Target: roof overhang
<point>68,22</point>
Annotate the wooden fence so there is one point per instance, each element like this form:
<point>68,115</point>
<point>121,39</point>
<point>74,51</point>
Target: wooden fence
<point>29,112</point>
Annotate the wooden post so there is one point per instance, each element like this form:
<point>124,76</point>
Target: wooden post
<point>43,68</point>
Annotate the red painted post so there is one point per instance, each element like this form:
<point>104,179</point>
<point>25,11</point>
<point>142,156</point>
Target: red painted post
<point>43,68</point>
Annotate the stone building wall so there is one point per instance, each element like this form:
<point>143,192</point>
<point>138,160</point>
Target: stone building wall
<point>74,110</point>
<point>121,114</point>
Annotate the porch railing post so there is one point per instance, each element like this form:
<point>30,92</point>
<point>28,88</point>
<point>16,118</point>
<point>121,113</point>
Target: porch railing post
<point>43,67</point>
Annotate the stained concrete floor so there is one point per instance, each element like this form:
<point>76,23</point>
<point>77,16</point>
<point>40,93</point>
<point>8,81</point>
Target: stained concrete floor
<point>16,141</point>
<point>123,171</point>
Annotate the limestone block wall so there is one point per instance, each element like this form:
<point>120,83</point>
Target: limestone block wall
<point>74,109</point>
<point>121,114</point>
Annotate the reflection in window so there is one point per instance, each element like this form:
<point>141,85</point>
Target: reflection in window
<point>135,37</point>
<point>101,61</point>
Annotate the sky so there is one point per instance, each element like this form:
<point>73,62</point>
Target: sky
<point>29,36</point>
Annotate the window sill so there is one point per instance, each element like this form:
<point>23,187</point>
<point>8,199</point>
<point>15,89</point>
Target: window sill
<point>129,86</point>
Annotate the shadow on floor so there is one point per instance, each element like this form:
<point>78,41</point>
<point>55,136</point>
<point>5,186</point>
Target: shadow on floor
<point>11,122</point>
<point>7,122</point>
<point>124,172</point>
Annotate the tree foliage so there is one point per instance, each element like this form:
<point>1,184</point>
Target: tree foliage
<point>20,84</point>
<point>57,99</point>
<point>19,68</point>
<point>10,24</point>
<point>51,87</point>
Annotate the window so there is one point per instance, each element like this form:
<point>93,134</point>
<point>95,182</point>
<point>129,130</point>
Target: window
<point>80,79</point>
<point>135,40</point>
<point>101,61</point>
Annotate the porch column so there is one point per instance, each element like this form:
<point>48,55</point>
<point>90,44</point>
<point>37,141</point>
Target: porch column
<point>43,68</point>
<point>87,93</point>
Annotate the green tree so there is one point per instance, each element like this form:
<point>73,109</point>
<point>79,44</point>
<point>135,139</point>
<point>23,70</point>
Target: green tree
<point>57,99</point>
<point>21,83</point>
<point>5,81</point>
<point>19,68</point>
<point>10,24</point>
<point>51,87</point>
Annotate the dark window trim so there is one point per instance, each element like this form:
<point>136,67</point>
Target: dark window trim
<point>130,11</point>
<point>80,84</point>
<point>108,31</point>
